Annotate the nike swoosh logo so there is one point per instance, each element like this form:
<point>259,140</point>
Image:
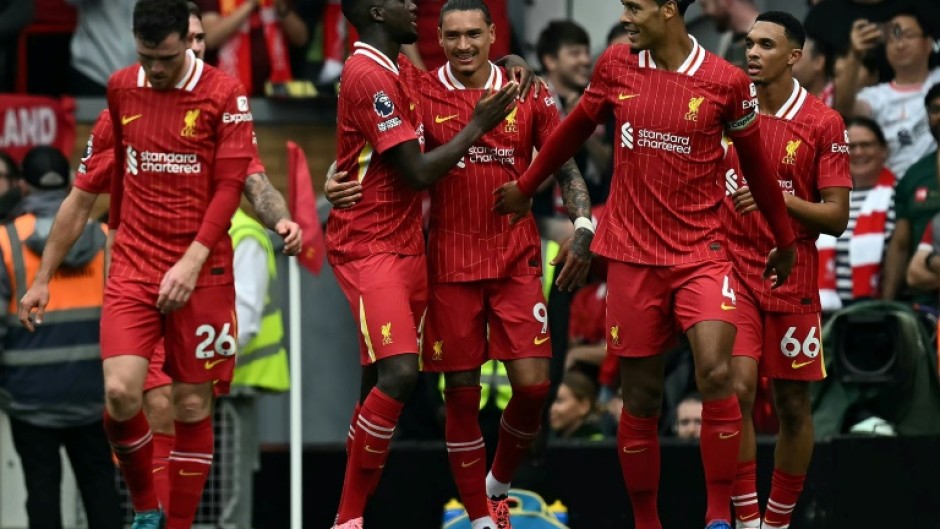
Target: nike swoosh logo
<point>465,464</point>
<point>189,474</point>
<point>411,106</point>
<point>797,365</point>
<point>774,523</point>
<point>212,363</point>
<point>749,516</point>
<point>540,341</point>
<point>725,306</point>
<point>127,119</point>
<point>442,119</point>
<point>624,97</point>
<point>633,450</point>
<point>373,450</point>
<point>158,469</point>
<point>724,435</point>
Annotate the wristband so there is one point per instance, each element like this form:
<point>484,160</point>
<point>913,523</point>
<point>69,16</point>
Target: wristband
<point>583,222</point>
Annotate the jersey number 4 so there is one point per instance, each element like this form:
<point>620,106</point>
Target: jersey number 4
<point>220,342</point>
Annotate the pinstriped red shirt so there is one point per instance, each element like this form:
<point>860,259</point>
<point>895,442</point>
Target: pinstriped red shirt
<point>808,145</point>
<point>376,112</point>
<point>468,241</point>
<point>167,146</point>
<point>666,194</point>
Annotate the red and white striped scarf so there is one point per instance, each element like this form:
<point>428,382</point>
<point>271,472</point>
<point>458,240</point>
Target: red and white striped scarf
<point>866,247</point>
<point>235,54</point>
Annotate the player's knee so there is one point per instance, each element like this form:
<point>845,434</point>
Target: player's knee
<point>462,379</point>
<point>123,399</point>
<point>793,409</point>
<point>643,401</point>
<point>159,410</point>
<point>745,390</point>
<point>713,379</point>
<point>398,376</point>
<point>191,406</point>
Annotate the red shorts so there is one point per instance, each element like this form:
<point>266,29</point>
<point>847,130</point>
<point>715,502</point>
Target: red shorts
<point>648,305</point>
<point>388,295</point>
<point>470,323</point>
<point>155,375</point>
<point>200,338</point>
<point>786,346</point>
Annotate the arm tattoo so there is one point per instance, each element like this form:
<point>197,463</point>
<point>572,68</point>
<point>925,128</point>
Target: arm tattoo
<point>268,203</point>
<point>574,191</point>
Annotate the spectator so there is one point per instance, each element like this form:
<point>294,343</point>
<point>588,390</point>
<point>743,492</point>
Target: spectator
<point>14,16</point>
<point>51,380</point>
<point>895,105</point>
<point>916,201</point>
<point>12,186</point>
<point>850,265</point>
<point>262,360</point>
<point>923,272</point>
<point>815,70</point>
<point>103,43</point>
<point>689,417</point>
<point>831,23</point>
<point>573,414</point>
<point>248,39</point>
<point>733,19</point>
<point>617,35</point>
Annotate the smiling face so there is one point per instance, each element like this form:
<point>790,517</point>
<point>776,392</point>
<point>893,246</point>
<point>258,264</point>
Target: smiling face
<point>466,39</point>
<point>866,156</point>
<point>770,54</point>
<point>645,21</point>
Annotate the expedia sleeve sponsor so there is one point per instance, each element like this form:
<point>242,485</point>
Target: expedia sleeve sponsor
<point>238,117</point>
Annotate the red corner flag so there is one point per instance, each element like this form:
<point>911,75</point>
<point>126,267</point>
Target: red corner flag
<point>302,202</point>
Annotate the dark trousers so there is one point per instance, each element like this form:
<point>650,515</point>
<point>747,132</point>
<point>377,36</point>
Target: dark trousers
<point>90,455</point>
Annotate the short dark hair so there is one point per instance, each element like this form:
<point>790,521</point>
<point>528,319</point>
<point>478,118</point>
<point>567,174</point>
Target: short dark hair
<point>823,49</point>
<point>356,12</point>
<point>560,33</point>
<point>792,27</point>
<point>681,4</point>
<point>870,124</point>
<point>194,10</point>
<point>466,5</point>
<point>12,166</point>
<point>155,20</point>
<point>616,31</point>
<point>932,93</point>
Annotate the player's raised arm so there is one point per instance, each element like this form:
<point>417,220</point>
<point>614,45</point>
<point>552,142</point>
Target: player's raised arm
<point>421,170</point>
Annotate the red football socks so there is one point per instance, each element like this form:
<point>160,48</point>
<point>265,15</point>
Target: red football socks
<point>744,494</point>
<point>375,427</point>
<point>721,439</point>
<point>785,490</point>
<point>132,443</point>
<point>190,463</point>
<point>638,451</point>
<point>465,448</point>
<point>521,421</point>
<point>162,444</point>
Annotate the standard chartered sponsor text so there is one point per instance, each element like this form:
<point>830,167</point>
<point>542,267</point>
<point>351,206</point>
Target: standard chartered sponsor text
<point>170,162</point>
<point>664,140</point>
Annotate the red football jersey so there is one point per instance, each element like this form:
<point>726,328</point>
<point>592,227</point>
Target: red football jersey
<point>808,144</point>
<point>376,112</point>
<point>665,196</point>
<point>467,240</point>
<point>167,145</point>
<point>94,173</point>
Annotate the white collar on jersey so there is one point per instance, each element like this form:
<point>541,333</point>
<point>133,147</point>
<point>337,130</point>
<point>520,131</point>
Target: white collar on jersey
<point>188,81</point>
<point>689,67</point>
<point>792,107</point>
<point>447,78</point>
<point>361,48</point>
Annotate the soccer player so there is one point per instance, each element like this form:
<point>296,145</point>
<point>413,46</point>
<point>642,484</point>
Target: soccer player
<point>93,178</point>
<point>779,331</point>
<point>176,120</point>
<point>376,248</point>
<point>484,265</point>
<point>662,232</point>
